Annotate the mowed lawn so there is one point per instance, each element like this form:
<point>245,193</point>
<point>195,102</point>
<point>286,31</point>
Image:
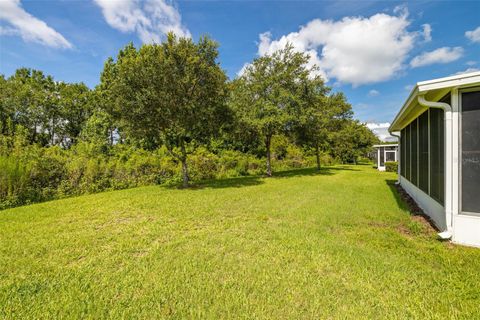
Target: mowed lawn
<point>301,245</point>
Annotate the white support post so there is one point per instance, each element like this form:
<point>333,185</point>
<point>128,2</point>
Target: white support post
<point>378,158</point>
<point>455,154</point>
<point>448,168</point>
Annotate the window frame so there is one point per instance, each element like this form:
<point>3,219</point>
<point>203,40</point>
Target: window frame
<point>460,151</point>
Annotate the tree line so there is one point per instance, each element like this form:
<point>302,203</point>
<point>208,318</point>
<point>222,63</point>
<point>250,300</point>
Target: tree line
<point>175,96</point>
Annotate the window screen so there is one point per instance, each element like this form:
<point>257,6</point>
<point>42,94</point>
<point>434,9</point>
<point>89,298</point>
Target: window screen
<point>471,152</point>
<point>414,153</point>
<point>382,157</point>
<point>408,164</point>
<point>437,158</point>
<point>402,152</point>
<point>423,152</point>
<point>390,156</point>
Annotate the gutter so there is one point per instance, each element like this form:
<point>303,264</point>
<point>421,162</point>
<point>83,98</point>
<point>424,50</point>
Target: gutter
<point>447,234</point>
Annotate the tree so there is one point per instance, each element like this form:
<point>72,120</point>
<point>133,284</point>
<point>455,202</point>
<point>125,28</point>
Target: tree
<point>320,114</point>
<point>32,96</point>
<point>97,130</point>
<point>173,92</point>
<point>266,95</point>
<point>75,106</point>
<point>6,110</point>
<point>353,140</point>
<point>53,112</point>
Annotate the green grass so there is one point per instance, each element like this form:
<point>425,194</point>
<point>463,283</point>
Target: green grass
<point>339,244</point>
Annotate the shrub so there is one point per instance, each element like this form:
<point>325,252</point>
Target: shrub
<point>30,173</point>
<point>391,166</point>
<point>14,176</point>
<point>202,164</point>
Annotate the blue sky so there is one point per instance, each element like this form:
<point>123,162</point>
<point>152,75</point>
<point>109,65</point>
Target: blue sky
<point>373,51</point>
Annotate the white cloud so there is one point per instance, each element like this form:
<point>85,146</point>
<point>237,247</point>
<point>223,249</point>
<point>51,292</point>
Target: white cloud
<point>473,35</point>
<point>471,63</point>
<point>28,27</point>
<point>468,70</point>
<point>408,87</point>
<point>150,19</point>
<point>440,55</point>
<point>267,46</point>
<point>381,130</point>
<point>354,50</point>
<point>243,69</point>
<point>373,93</point>
<point>375,125</point>
<point>427,32</point>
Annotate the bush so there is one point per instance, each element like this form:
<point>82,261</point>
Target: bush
<point>391,166</point>
<point>31,173</point>
<point>14,177</point>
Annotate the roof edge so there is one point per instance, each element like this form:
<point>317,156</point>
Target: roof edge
<point>423,87</point>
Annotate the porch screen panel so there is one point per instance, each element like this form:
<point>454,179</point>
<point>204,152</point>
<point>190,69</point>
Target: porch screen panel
<point>390,156</point>
<point>413,151</point>
<point>437,155</point>
<point>423,152</point>
<point>471,152</point>
<point>402,152</point>
<point>408,164</point>
<point>382,156</point>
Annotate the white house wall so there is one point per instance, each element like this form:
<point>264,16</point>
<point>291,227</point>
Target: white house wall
<point>466,230</point>
<point>431,207</point>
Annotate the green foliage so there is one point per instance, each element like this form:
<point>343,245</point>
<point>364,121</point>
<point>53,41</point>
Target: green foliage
<point>31,173</point>
<point>164,114</point>
<point>51,112</point>
<point>391,166</point>
<point>353,140</point>
<point>321,116</point>
<point>267,97</point>
<point>173,92</point>
<point>14,178</point>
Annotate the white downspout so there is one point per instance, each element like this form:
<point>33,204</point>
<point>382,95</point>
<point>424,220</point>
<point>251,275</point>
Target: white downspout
<point>397,153</point>
<point>448,160</point>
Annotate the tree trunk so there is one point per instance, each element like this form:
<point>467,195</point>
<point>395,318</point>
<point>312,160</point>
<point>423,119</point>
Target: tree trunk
<point>268,141</point>
<point>317,153</point>
<point>185,176</point>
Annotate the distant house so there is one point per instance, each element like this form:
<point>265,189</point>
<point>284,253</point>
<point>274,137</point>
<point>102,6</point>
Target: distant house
<point>439,130</point>
<point>385,153</point>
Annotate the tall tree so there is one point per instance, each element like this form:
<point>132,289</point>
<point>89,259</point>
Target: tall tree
<point>322,114</point>
<point>266,95</point>
<point>174,92</point>
<point>6,110</point>
<point>33,99</point>
<point>351,141</point>
<point>75,107</point>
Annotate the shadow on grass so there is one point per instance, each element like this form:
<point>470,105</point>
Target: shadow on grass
<point>398,198</point>
<point>328,171</point>
<point>405,202</point>
<point>246,181</point>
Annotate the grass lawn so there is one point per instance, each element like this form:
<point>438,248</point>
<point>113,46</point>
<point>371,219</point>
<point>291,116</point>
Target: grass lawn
<point>335,244</point>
